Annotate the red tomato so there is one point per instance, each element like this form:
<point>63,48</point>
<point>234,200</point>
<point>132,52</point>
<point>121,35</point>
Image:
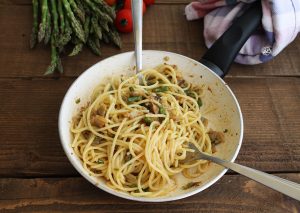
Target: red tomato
<point>149,2</point>
<point>127,5</point>
<point>123,21</point>
<point>111,2</point>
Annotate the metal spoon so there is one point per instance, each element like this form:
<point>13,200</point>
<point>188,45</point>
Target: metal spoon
<point>137,16</point>
<point>286,187</point>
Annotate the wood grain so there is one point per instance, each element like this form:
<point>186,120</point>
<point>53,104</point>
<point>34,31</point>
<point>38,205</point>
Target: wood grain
<point>169,31</point>
<point>28,2</point>
<point>232,193</point>
<point>30,145</point>
<point>28,125</point>
<point>272,122</point>
<point>35,175</point>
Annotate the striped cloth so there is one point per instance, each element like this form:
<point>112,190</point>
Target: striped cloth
<point>280,25</point>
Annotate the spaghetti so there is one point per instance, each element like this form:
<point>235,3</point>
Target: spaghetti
<point>135,135</point>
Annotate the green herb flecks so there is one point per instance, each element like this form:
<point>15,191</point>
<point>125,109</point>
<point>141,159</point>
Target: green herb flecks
<point>147,121</point>
<point>134,99</point>
<point>199,102</point>
<point>162,110</point>
<point>190,93</point>
<point>77,101</point>
<point>161,89</point>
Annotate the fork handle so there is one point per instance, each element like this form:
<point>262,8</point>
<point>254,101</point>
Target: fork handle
<point>137,16</point>
<point>286,187</point>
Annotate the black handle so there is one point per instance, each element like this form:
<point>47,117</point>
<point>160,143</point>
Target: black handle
<point>222,53</point>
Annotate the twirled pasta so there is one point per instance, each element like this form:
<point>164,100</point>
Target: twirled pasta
<point>135,135</point>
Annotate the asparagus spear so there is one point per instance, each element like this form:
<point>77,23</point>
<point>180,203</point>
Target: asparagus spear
<point>74,22</point>
<point>97,41</point>
<point>68,28</point>
<point>67,19</point>
<point>106,8</point>
<point>42,29</point>
<point>51,68</point>
<point>48,28</point>
<point>92,45</point>
<point>77,10</point>
<point>61,17</point>
<point>105,38</point>
<point>55,60</point>
<point>114,37</point>
<point>101,15</point>
<point>96,27</point>
<point>87,27</point>
<point>77,48</point>
<point>55,20</point>
<point>59,65</point>
<point>33,38</point>
<point>81,6</point>
<point>104,25</point>
<point>91,29</point>
<point>66,37</point>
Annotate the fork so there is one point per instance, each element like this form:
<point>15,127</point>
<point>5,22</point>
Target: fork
<point>286,187</point>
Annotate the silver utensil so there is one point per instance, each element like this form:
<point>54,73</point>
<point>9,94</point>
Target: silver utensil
<point>137,16</point>
<point>286,187</point>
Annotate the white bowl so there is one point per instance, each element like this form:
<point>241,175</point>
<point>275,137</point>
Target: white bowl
<point>227,114</point>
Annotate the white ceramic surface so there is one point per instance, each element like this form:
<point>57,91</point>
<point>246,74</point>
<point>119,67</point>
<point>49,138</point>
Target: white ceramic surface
<point>220,107</point>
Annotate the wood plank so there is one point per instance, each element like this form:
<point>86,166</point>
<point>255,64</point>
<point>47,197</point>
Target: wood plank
<point>28,2</point>
<point>157,35</point>
<point>28,126</point>
<point>170,32</point>
<point>233,193</point>
<point>270,108</point>
<point>30,145</point>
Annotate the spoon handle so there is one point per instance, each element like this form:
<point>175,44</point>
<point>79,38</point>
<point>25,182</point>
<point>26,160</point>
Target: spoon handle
<point>137,16</point>
<point>286,187</point>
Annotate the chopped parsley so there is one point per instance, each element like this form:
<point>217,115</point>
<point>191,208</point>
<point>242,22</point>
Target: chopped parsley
<point>134,99</point>
<point>131,89</point>
<point>161,89</point>
<point>162,110</point>
<point>147,121</point>
<point>190,93</point>
<point>77,101</point>
<point>199,102</point>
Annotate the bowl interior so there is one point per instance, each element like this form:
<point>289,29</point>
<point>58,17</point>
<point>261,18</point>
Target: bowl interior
<point>220,107</point>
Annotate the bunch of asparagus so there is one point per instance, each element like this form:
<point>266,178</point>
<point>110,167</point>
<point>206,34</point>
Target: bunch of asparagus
<point>77,22</point>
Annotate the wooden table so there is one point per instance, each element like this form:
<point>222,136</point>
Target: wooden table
<point>35,175</point>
